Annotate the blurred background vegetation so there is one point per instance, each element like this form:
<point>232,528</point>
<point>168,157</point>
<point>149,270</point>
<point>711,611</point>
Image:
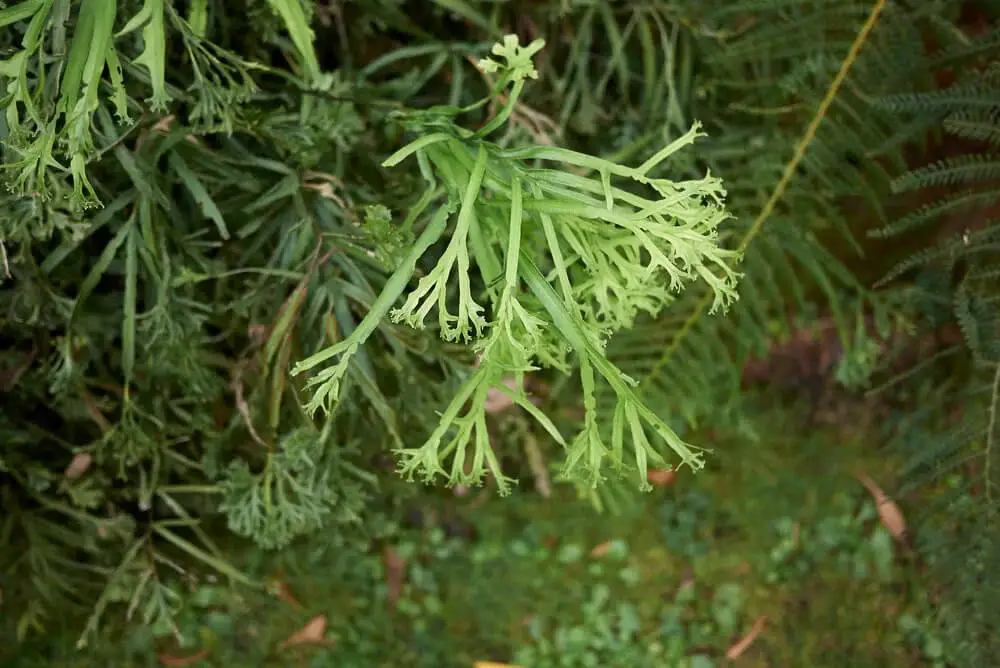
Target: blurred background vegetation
<point>195,201</point>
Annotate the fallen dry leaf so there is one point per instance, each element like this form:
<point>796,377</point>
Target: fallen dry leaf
<point>536,461</point>
<point>163,124</point>
<point>79,465</point>
<point>890,514</point>
<point>395,573</point>
<point>660,477</point>
<point>284,593</point>
<point>171,660</point>
<point>736,650</point>
<point>310,634</point>
<point>602,549</point>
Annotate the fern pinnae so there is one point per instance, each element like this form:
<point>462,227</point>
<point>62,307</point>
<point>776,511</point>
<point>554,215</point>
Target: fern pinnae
<point>968,48</point>
<point>956,99</point>
<point>955,171</point>
<point>962,202</point>
<point>972,125</point>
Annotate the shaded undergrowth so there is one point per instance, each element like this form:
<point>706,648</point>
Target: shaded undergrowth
<point>778,540</point>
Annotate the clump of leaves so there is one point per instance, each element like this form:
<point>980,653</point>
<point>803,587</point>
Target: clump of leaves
<point>157,170</point>
<point>44,132</point>
<point>609,635</point>
<point>567,252</point>
<point>839,540</point>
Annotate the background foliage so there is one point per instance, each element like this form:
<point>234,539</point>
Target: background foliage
<point>678,578</point>
<point>196,201</point>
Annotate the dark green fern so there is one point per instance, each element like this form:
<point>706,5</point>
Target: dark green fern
<point>951,441</point>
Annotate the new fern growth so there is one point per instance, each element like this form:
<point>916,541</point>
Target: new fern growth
<point>567,250</point>
<point>291,496</point>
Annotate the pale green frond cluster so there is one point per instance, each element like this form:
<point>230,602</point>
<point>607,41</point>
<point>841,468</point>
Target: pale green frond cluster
<point>607,253</point>
<point>519,64</point>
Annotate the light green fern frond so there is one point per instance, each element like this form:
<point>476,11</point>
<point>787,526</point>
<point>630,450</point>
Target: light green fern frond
<point>607,254</point>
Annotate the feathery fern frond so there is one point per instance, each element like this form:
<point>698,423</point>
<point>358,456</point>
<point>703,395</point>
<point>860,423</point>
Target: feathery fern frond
<point>783,257</point>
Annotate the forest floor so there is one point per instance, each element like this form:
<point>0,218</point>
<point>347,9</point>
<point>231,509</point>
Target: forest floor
<point>775,555</point>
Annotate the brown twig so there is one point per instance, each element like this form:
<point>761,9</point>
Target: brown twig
<point>236,385</point>
<point>3,256</point>
<point>737,650</point>
<point>94,412</point>
<point>8,379</point>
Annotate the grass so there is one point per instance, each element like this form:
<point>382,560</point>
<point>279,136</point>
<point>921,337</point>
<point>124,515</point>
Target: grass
<point>778,528</point>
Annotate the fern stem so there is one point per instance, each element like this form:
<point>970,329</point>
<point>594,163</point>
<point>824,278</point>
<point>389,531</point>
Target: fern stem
<point>991,427</point>
<point>810,133</point>
<point>782,185</point>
